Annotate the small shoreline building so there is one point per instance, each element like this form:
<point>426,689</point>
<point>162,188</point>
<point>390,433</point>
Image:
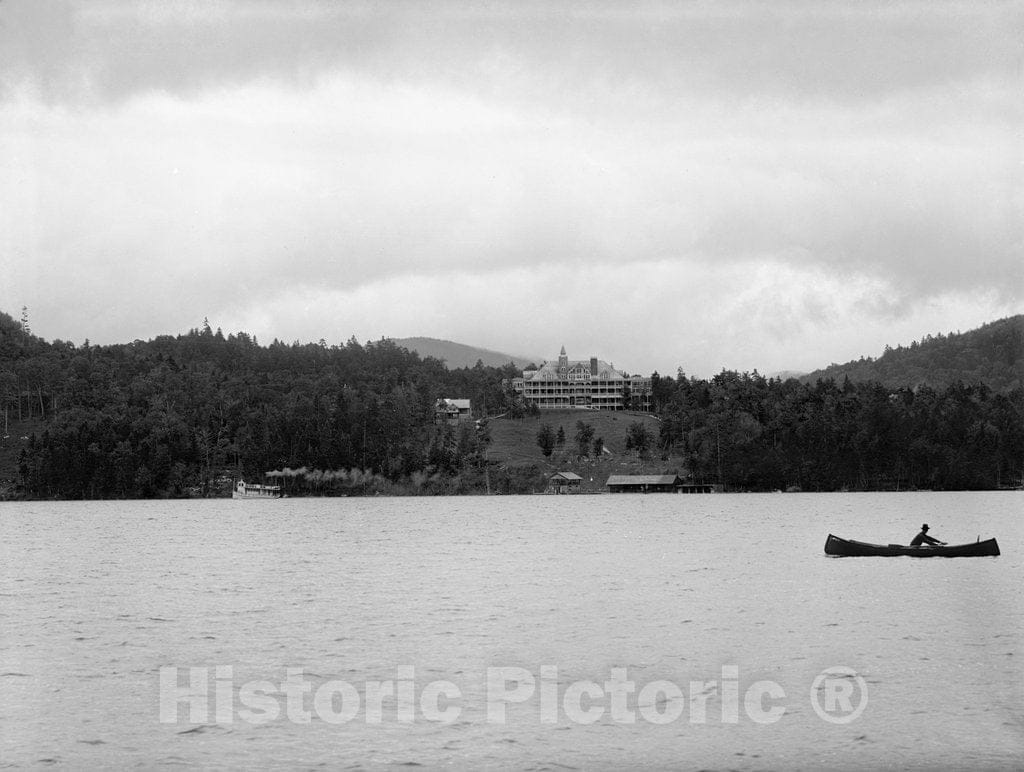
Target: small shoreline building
<point>452,411</point>
<point>583,384</point>
<point>656,483</point>
<point>564,482</point>
<point>643,483</point>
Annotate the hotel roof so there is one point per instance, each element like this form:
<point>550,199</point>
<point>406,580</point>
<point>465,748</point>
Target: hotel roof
<point>549,371</point>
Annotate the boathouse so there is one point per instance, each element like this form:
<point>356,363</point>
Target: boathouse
<point>564,482</point>
<point>657,483</point>
<point>643,483</point>
<point>699,488</point>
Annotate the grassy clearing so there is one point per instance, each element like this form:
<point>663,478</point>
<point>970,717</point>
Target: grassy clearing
<point>514,443</point>
<point>516,439</point>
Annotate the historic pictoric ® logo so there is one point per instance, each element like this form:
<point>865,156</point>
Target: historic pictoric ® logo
<point>839,695</point>
<point>204,695</point>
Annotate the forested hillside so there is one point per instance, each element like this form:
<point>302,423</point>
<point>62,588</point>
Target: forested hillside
<point>992,354</point>
<point>753,433</point>
<point>183,415</point>
<point>175,415</point>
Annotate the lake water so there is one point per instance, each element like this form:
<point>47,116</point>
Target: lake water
<point>348,594</point>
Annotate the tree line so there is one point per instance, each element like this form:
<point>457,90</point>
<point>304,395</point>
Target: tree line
<point>749,432</point>
<point>992,354</point>
<point>183,415</point>
<point>180,416</point>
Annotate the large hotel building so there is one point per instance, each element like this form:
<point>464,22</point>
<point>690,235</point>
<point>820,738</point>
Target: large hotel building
<point>585,384</point>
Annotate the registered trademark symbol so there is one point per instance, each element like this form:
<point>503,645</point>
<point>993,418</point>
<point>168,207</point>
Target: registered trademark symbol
<point>839,695</point>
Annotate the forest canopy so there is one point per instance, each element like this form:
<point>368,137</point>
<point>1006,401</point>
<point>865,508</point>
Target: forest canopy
<point>183,415</point>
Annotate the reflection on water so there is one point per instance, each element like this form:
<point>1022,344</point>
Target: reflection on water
<point>724,591</point>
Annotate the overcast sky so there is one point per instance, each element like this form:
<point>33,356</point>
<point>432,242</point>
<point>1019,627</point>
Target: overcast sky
<point>772,185</point>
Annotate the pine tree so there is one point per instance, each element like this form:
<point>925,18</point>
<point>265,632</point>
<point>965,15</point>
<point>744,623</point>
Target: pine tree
<point>546,440</point>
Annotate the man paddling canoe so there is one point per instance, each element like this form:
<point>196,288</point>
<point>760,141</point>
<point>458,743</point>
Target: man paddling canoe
<point>923,538</point>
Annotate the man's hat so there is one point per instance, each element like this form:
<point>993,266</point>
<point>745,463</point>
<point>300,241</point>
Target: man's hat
<point>924,527</point>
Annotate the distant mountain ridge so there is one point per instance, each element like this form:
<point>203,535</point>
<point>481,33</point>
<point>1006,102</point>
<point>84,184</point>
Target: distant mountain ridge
<point>785,375</point>
<point>992,354</point>
<point>458,355</point>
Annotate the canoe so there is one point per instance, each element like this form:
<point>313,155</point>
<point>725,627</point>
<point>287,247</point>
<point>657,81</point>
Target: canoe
<point>852,549</point>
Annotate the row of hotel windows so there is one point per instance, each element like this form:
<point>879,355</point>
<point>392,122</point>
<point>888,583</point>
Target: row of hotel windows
<point>549,387</point>
<point>549,395</point>
<point>573,389</point>
<point>578,387</point>
<point>565,400</point>
<point>636,384</point>
<point>598,403</point>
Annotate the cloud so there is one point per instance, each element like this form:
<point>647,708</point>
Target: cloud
<point>533,50</point>
<point>353,181</point>
<point>267,162</point>
<point>656,315</point>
